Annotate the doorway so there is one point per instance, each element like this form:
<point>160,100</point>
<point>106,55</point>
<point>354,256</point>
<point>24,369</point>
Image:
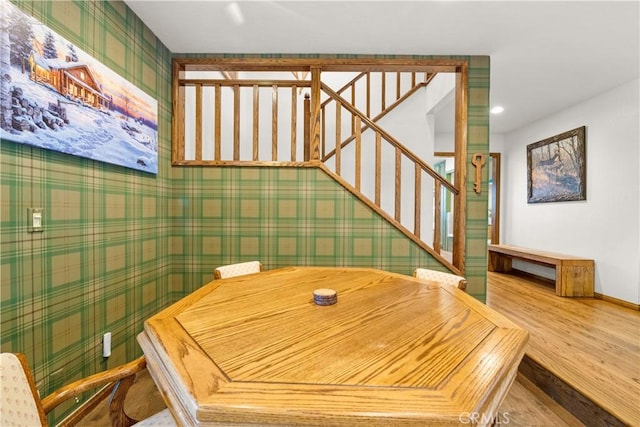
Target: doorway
<point>443,164</point>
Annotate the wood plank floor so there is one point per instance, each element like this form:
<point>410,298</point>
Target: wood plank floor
<point>590,343</point>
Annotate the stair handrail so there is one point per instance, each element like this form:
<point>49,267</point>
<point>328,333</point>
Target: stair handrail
<point>386,110</point>
<point>383,113</point>
<point>346,86</point>
<point>435,253</point>
<point>391,140</point>
<point>362,121</point>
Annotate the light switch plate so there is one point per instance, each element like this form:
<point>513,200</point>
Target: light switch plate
<point>34,220</point>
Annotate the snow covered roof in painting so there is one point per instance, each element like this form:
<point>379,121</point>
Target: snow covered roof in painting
<point>61,64</point>
<point>56,63</point>
<point>39,60</point>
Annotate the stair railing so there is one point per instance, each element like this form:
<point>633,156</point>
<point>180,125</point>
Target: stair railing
<point>205,101</point>
<point>370,167</point>
<point>397,97</point>
<point>235,112</point>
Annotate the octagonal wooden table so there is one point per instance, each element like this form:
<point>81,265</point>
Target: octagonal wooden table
<point>394,350</point>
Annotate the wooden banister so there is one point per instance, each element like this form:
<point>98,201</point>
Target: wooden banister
<point>390,139</point>
<point>362,122</point>
<point>348,85</point>
<point>400,98</point>
<point>355,109</point>
<point>398,102</point>
<point>455,269</point>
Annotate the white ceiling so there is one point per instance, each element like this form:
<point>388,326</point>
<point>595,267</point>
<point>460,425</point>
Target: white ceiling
<point>545,55</point>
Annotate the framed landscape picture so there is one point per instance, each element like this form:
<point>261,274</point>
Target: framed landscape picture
<point>556,168</point>
<point>56,96</point>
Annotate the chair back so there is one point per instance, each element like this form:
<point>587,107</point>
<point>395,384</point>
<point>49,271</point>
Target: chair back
<point>19,401</point>
<point>441,277</point>
<point>238,269</point>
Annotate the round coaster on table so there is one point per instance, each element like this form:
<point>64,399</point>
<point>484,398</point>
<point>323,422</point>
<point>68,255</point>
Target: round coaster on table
<point>325,296</point>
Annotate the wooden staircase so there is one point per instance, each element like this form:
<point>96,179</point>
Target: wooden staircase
<point>255,115</point>
<point>325,130</point>
<point>335,149</point>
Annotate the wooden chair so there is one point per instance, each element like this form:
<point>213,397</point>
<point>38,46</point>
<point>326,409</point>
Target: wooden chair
<point>238,269</point>
<point>439,276</point>
<point>20,404</point>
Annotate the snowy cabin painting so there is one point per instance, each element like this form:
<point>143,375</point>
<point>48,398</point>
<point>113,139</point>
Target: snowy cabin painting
<point>57,97</point>
<point>71,79</point>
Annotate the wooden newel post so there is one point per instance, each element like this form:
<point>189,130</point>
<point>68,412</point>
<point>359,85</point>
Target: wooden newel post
<point>314,119</point>
<point>307,117</point>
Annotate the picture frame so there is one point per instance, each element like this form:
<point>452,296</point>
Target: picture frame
<point>556,168</point>
<point>58,97</point>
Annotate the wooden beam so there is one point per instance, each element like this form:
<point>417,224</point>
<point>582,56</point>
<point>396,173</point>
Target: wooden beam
<point>362,64</point>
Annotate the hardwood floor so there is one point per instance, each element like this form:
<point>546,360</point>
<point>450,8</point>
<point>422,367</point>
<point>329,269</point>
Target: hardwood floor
<point>526,405</point>
<point>591,344</point>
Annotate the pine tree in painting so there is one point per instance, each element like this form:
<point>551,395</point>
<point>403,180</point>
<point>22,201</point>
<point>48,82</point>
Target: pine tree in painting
<point>73,55</point>
<point>6,112</point>
<point>20,39</point>
<point>49,48</point>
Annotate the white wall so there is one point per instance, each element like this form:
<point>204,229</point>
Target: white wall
<point>605,227</point>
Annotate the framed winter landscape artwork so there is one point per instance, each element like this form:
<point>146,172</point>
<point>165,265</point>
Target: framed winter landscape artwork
<point>556,168</point>
<point>57,97</point>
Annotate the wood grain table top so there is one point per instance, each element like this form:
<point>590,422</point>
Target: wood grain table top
<point>392,350</point>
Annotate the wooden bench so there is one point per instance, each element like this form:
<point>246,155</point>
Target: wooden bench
<point>574,275</point>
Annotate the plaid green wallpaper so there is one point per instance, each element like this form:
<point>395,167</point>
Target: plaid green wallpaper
<point>119,244</point>
<point>103,262</point>
<point>477,204</point>
<point>280,216</point>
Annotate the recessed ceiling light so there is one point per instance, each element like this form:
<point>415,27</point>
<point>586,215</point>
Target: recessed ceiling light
<point>497,109</point>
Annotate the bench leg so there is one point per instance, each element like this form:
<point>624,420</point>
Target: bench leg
<point>499,263</point>
<point>574,281</point>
